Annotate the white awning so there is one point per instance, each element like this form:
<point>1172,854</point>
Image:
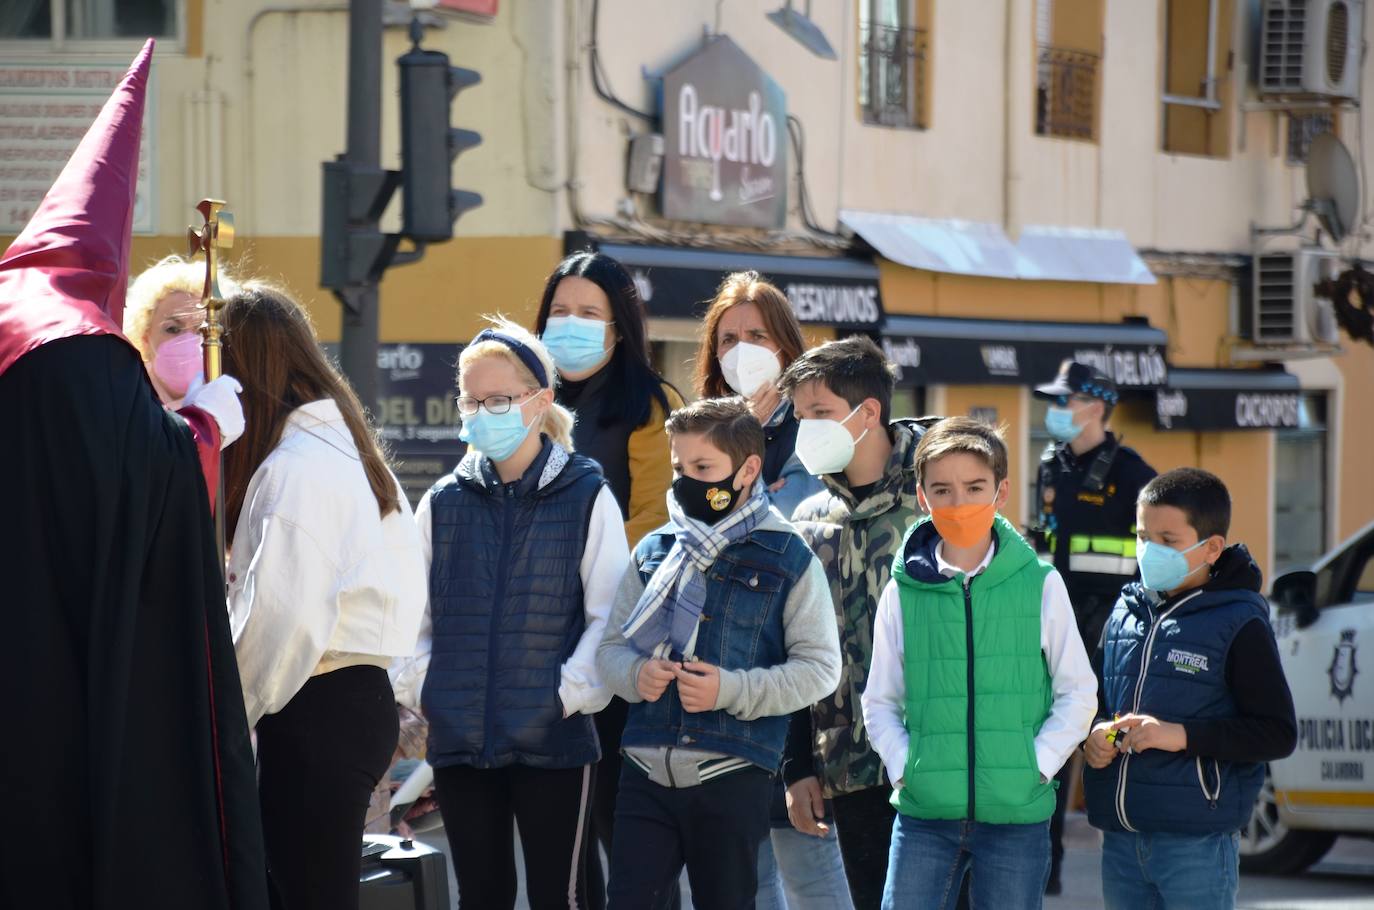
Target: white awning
<point>983,249</point>
<point>935,244</point>
<point>1080,254</point>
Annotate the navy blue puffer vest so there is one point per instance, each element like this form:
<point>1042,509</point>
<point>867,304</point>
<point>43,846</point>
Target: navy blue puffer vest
<point>741,628</point>
<point>505,596</point>
<point>1168,660</point>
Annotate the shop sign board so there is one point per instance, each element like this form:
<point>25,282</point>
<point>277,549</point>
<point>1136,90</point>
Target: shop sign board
<point>725,140</point>
<point>45,110</point>
<point>416,411</point>
<point>1227,409</point>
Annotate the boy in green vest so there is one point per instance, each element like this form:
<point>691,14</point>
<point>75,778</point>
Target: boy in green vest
<point>980,687</point>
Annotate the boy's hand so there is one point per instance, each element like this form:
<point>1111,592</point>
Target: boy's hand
<point>1139,732</point>
<point>806,807</point>
<point>698,684</point>
<point>1097,750</point>
<point>653,679</point>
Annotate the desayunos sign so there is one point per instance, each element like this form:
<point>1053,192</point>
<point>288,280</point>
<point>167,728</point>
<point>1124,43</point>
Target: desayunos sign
<point>725,140</point>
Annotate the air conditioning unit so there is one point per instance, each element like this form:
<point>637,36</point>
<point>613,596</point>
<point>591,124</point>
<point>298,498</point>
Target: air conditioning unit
<point>1311,48</point>
<point>1285,310</point>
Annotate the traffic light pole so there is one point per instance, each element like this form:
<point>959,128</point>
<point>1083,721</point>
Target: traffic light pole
<point>355,188</point>
<point>358,350</point>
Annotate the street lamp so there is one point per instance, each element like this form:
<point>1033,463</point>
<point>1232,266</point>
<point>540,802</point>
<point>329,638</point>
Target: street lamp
<point>801,27</point>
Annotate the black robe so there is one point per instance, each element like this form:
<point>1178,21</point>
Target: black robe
<point>127,777</point>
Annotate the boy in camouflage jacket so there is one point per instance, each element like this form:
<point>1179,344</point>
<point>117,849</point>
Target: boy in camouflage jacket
<point>842,391</point>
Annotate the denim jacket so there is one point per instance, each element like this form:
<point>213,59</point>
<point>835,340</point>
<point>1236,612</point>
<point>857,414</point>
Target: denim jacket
<point>768,624</point>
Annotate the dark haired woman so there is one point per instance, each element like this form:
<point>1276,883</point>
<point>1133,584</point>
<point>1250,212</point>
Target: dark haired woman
<point>592,322</point>
<point>327,585</point>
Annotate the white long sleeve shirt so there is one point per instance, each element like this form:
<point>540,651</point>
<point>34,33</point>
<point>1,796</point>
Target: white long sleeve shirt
<point>1072,682</point>
<point>316,572</point>
<point>604,561</point>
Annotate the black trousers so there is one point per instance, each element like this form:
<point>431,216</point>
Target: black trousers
<point>319,760</point>
<point>610,726</point>
<point>550,805</point>
<point>864,820</point>
<point>715,829</point>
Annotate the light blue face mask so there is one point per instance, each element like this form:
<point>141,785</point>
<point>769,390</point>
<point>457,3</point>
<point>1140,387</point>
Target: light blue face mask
<point>575,343</point>
<point>496,436</point>
<point>1059,423</point>
<point>1162,569</point>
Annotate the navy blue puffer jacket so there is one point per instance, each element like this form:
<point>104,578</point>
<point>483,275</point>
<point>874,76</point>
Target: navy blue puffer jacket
<point>507,607</point>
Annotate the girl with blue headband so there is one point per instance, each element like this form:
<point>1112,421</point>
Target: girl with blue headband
<point>526,547</point>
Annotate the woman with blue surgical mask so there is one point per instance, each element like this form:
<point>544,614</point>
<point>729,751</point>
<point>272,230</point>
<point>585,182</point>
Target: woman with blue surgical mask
<point>525,547</point>
<point>591,320</point>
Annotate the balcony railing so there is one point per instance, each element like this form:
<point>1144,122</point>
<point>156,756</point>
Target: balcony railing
<point>892,70</point>
<point>1066,93</point>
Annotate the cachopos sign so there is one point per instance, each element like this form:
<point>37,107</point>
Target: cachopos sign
<point>725,140</point>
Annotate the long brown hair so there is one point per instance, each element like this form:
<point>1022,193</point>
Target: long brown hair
<point>778,318</point>
<point>271,348</point>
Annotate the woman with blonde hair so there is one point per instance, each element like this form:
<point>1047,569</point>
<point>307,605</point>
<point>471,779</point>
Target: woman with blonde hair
<point>326,587</point>
<point>749,338</point>
<point>526,548</point>
<point>162,318</point>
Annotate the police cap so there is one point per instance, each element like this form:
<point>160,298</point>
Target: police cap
<point>1079,379</point>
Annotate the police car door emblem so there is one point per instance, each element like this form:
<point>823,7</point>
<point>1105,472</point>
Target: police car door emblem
<point>1342,670</point>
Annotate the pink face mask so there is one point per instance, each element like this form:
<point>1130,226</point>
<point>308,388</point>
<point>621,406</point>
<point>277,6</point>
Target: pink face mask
<point>178,362</point>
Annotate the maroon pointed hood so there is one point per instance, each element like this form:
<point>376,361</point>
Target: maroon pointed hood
<point>67,271</point>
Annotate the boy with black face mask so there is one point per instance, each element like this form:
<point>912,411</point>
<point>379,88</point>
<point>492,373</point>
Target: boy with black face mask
<point>723,626</point>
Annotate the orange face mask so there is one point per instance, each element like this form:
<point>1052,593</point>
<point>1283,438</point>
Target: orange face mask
<point>964,526</point>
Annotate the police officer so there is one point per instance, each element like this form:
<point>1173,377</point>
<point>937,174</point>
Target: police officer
<point>1087,489</point>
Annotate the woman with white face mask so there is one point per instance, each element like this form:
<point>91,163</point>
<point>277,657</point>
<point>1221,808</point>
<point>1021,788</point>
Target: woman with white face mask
<point>751,335</point>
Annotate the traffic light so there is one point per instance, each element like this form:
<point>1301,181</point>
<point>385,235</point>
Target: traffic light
<point>429,204</point>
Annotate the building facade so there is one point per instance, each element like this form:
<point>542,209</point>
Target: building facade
<point>985,186</point>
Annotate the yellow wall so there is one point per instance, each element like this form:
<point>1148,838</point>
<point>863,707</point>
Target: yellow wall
<point>440,298</point>
<point>1356,455</point>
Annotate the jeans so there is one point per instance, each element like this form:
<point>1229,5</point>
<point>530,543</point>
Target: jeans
<point>801,872</point>
<point>1167,871</point>
<point>1007,865</point>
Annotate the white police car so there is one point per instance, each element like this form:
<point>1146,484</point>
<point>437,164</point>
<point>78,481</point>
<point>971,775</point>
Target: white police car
<point>1324,622</point>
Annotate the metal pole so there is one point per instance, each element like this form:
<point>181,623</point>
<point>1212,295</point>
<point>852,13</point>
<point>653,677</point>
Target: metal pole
<point>358,350</point>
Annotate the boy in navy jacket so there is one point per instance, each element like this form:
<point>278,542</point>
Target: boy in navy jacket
<point>1193,702</point>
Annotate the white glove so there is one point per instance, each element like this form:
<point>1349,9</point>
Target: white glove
<point>219,399</point>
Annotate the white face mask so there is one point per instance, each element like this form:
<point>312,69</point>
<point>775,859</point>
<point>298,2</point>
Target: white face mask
<point>825,446</point>
<point>749,367</point>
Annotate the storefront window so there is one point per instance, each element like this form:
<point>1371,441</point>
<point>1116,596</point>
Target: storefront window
<point>1300,488</point>
<point>87,19</point>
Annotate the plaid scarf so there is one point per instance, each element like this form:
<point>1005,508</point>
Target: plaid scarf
<point>664,622</point>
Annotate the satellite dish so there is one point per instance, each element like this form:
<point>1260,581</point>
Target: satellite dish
<point>1333,185</point>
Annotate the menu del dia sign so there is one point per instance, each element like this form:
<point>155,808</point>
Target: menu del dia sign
<point>725,140</point>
